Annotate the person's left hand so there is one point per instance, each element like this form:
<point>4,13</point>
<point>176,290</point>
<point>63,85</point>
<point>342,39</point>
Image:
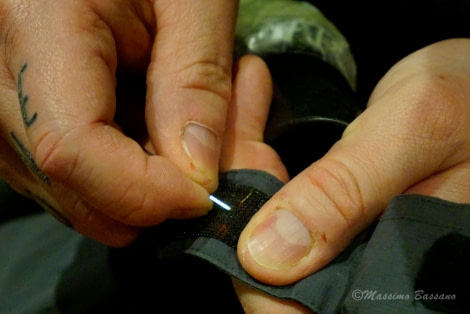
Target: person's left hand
<point>243,147</point>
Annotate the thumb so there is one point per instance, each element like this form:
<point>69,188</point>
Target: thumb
<point>189,83</point>
<point>414,131</point>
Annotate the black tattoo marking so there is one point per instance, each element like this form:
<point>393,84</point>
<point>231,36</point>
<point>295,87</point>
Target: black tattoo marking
<point>28,159</point>
<point>49,208</point>
<point>24,99</point>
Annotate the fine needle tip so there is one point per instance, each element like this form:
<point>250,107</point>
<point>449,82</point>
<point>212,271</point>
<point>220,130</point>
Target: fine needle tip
<point>219,202</point>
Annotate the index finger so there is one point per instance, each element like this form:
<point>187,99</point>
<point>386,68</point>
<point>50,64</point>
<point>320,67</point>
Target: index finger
<point>190,83</point>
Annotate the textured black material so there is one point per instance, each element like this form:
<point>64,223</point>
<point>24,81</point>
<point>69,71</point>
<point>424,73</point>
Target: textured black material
<point>224,225</point>
<point>391,267</point>
<point>312,105</point>
<point>245,191</point>
<point>396,250</point>
<point>163,266</point>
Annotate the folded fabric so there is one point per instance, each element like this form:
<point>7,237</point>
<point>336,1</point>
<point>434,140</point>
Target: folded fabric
<point>412,259</point>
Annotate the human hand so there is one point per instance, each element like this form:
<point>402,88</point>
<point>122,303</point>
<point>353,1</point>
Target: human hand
<point>412,138</point>
<point>60,143</point>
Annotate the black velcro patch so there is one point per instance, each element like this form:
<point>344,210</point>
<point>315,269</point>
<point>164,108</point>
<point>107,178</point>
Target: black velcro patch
<point>224,223</point>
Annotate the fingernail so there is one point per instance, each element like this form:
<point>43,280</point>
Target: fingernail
<point>200,143</point>
<point>281,241</point>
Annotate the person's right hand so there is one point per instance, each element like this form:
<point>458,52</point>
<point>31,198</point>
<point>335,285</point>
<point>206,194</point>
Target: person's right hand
<point>59,141</point>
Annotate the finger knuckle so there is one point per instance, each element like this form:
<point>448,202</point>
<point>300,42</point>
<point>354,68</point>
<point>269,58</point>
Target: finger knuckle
<point>136,208</point>
<point>56,155</point>
<point>339,188</point>
<point>208,75</point>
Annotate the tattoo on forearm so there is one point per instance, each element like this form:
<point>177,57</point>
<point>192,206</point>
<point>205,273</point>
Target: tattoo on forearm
<point>24,99</point>
<point>28,159</point>
<point>49,208</point>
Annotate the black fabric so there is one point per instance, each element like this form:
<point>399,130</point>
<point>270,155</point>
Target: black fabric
<point>397,264</point>
<point>245,191</point>
<point>161,270</point>
<point>312,105</point>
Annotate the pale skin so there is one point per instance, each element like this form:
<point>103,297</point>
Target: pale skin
<point>412,138</point>
<point>60,142</point>
<point>61,145</point>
